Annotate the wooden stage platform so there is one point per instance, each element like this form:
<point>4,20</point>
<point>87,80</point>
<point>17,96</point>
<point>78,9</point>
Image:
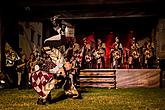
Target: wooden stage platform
<point>120,78</point>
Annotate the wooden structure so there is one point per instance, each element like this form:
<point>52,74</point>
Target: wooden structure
<point>98,78</point>
<point>120,78</point>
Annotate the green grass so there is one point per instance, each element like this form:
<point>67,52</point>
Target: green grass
<point>92,99</point>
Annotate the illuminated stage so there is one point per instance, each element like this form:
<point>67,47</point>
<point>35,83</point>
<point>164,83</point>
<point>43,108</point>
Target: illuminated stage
<point>120,78</point>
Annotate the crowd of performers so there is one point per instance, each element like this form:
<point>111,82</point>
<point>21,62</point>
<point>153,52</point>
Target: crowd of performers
<point>65,61</point>
<point>44,71</point>
<point>56,66</point>
<point>61,66</point>
<point>59,63</point>
<point>134,57</point>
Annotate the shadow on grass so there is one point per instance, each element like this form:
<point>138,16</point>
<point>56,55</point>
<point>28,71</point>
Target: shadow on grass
<point>62,96</point>
<point>83,90</point>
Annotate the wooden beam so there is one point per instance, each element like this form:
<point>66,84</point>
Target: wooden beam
<point>107,17</point>
<point>63,3</point>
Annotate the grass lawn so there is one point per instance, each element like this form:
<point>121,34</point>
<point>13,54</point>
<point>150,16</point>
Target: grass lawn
<point>92,99</point>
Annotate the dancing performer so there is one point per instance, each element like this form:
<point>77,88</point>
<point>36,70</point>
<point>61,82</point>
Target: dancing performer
<point>135,54</point>
<point>10,67</point>
<point>88,56</point>
<point>74,55</point>
<point>31,64</point>
<point>116,54</point>
<point>148,52</point>
<point>44,81</point>
<point>126,60</point>
<point>45,77</point>
<point>99,54</point>
<point>22,72</point>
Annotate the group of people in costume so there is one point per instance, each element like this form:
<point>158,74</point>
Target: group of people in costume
<point>56,66</point>
<point>131,57</point>
<point>59,63</point>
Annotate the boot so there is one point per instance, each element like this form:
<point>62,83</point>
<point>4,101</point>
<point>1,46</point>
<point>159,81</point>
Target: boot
<point>29,85</point>
<point>49,98</point>
<point>19,87</point>
<point>40,101</point>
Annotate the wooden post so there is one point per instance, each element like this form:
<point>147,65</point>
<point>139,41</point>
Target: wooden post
<point>0,42</point>
<point>2,45</point>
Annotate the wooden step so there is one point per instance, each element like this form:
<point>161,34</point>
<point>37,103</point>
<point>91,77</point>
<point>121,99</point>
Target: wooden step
<point>100,85</point>
<point>107,80</point>
<point>97,74</point>
<point>98,78</point>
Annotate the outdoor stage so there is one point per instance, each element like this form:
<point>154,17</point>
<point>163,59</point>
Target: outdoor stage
<point>120,78</point>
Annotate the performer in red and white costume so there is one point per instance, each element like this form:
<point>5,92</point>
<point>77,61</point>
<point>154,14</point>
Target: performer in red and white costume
<point>60,65</point>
